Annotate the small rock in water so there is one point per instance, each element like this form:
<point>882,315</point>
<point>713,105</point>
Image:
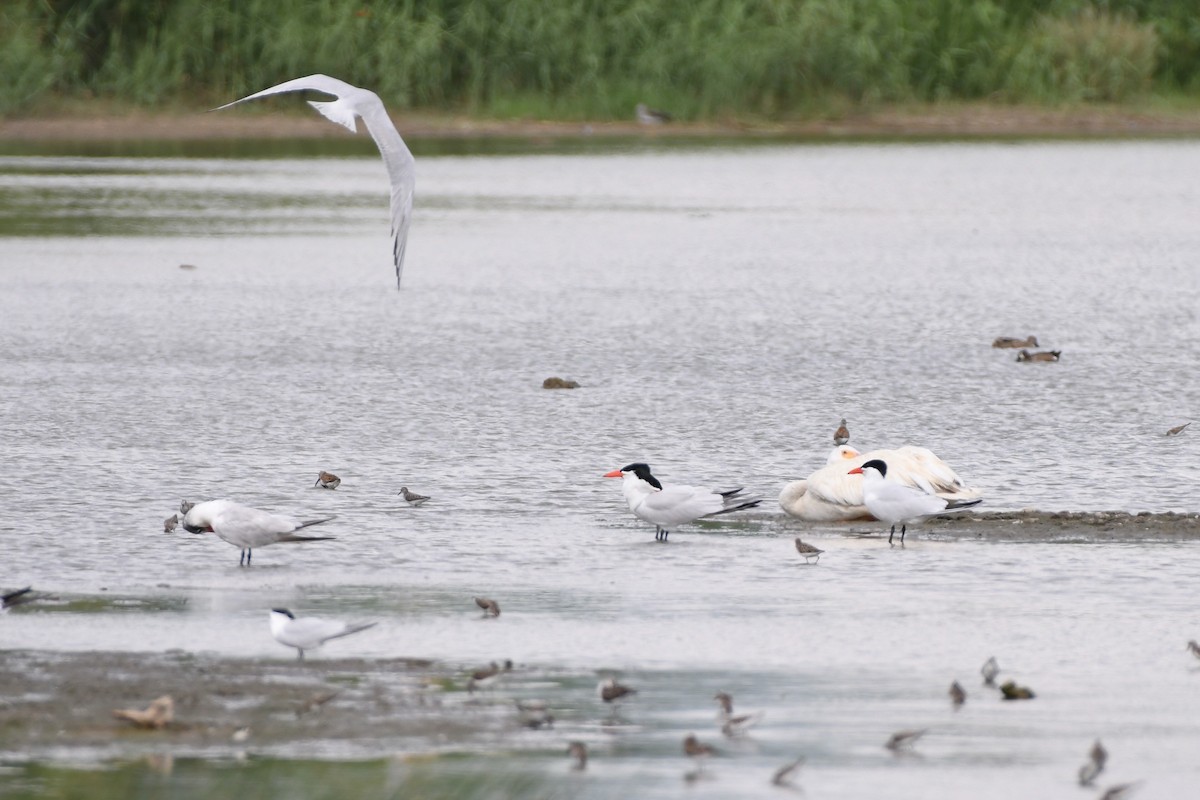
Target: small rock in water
<point>559,383</point>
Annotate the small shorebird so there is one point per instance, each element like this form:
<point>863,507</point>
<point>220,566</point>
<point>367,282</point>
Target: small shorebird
<point>157,715</point>
<point>16,598</point>
<point>958,695</point>
<point>904,740</point>
<point>309,633</point>
<point>610,691</point>
<point>783,776</point>
<point>1009,341</point>
<point>1192,647</point>
<point>808,551</point>
<point>842,434</point>
<point>412,498</point>
<point>989,671</point>
<point>1043,355</point>
<point>666,507</point>
<point>578,751</point>
<point>1097,758</point>
<point>170,523</point>
<point>247,527</point>
<point>184,507</point>
<point>490,607</point>
<point>486,676</point>
<point>651,116</point>
<point>694,748</point>
<point>1012,691</point>
<point>734,726</point>
<point>892,501</point>
<point>1178,429</point>
<point>327,480</point>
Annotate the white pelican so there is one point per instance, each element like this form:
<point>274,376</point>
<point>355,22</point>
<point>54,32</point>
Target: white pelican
<point>832,495</point>
<point>354,102</point>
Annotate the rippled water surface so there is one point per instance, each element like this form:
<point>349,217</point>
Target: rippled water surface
<point>722,308</point>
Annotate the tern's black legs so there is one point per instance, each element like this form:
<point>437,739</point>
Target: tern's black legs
<point>245,559</point>
<point>903,528</point>
<point>660,533</point>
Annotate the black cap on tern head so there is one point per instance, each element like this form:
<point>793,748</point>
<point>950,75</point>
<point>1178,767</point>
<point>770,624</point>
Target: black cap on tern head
<point>643,472</point>
<point>285,612</point>
<point>877,464</point>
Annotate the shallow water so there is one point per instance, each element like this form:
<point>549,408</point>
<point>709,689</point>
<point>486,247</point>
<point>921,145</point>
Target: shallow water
<point>722,309</point>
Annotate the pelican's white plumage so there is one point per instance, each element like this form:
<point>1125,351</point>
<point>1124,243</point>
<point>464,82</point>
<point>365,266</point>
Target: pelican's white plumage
<point>831,495</point>
<point>353,102</point>
<point>246,527</point>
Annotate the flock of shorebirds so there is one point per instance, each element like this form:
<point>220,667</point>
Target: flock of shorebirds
<point>309,633</point>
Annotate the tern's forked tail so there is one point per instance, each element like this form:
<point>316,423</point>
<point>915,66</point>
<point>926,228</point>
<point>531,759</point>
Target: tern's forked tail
<point>354,629</point>
<point>736,502</point>
<point>955,505</point>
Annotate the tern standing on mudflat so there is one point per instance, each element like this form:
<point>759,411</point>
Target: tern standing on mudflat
<point>669,506</point>
<point>895,503</point>
<point>309,633</point>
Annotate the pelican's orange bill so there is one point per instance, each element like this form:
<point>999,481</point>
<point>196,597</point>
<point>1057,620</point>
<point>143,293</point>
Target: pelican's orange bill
<point>616,473</point>
<point>855,471</point>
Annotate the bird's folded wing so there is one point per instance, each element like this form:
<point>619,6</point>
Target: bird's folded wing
<point>252,520</point>
<point>833,485</point>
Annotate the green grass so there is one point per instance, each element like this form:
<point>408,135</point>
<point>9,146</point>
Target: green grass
<point>595,59</point>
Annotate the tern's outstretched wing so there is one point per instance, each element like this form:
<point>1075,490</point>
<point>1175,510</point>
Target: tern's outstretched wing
<point>352,102</point>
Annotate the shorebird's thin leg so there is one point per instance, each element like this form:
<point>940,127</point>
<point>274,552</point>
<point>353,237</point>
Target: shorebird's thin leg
<point>249,555</point>
<point>242,560</point>
<point>299,654</point>
<point>903,528</point>
<point>893,533</point>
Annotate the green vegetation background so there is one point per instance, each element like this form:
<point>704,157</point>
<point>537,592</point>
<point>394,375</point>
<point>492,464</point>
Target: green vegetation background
<point>594,59</point>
